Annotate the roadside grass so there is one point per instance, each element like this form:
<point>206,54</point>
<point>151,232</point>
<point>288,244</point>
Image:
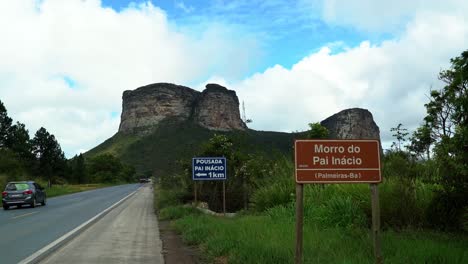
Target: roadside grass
<point>269,236</point>
<point>336,225</point>
<point>57,190</point>
<point>266,239</point>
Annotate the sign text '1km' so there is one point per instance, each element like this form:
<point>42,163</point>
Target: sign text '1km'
<point>208,169</point>
<point>337,161</point>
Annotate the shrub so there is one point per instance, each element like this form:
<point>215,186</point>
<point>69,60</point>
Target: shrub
<point>443,214</point>
<point>166,198</point>
<point>338,211</point>
<point>176,212</point>
<point>279,193</point>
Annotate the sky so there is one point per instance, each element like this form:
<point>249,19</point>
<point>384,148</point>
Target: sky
<point>64,64</point>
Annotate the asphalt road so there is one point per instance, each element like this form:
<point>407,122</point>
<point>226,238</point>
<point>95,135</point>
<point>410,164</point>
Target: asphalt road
<point>24,231</point>
<point>127,234</point>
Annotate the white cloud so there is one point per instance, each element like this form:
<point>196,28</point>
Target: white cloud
<point>104,52</point>
<point>380,15</point>
<point>391,79</point>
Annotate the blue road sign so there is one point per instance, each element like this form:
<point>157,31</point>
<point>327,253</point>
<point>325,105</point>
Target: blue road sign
<point>208,169</point>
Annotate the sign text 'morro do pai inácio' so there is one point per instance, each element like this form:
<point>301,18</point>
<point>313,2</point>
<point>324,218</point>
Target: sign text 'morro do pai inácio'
<point>206,169</point>
<point>337,161</point>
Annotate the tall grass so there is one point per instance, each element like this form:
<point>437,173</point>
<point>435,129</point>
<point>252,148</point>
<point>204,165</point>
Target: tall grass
<point>403,202</point>
<point>270,239</point>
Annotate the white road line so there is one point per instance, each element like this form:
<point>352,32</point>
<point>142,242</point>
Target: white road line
<point>19,216</point>
<point>41,253</point>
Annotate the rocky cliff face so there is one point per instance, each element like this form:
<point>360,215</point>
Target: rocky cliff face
<point>216,108</point>
<point>354,123</point>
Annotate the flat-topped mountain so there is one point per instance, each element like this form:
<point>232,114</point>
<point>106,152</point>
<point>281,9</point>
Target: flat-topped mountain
<point>216,108</point>
<point>163,124</point>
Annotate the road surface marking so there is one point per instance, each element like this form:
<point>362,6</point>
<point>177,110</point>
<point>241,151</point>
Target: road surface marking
<point>38,255</point>
<point>19,216</point>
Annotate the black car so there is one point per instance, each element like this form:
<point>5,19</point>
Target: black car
<point>23,192</point>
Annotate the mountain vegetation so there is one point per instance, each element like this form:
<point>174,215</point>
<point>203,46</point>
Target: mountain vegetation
<point>173,142</point>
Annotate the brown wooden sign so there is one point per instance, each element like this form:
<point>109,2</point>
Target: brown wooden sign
<point>337,161</point>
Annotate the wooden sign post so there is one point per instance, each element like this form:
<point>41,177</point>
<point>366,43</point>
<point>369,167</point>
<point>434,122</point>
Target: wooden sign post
<point>195,192</point>
<point>376,223</point>
<point>337,161</point>
<point>224,198</point>
<point>299,221</point>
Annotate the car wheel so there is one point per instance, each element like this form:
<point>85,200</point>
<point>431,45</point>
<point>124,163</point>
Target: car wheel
<point>44,201</point>
<point>33,204</point>
<point>5,207</point>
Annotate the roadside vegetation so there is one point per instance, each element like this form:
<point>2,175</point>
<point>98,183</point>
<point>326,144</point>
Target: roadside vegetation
<point>423,196</point>
<point>41,159</point>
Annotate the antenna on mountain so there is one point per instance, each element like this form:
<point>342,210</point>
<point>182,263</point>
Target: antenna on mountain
<point>243,111</point>
<point>244,118</point>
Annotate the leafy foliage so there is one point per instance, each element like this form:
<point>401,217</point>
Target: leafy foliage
<point>317,131</point>
<point>109,169</point>
<point>400,135</point>
<point>5,124</point>
<point>447,119</point>
<point>51,160</point>
<point>421,141</point>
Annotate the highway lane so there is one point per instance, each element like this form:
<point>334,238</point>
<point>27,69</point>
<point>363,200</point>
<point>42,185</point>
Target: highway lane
<point>127,234</point>
<point>26,230</point>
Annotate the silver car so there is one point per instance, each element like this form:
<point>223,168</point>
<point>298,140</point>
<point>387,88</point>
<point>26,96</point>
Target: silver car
<point>23,193</point>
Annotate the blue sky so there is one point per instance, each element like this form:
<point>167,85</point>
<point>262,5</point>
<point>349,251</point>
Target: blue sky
<point>287,31</point>
<point>65,64</point>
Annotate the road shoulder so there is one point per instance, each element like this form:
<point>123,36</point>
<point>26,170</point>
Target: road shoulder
<point>175,251</point>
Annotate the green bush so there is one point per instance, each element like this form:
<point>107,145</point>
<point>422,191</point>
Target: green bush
<point>346,205</point>
<point>285,212</point>
<point>403,203</point>
<point>279,193</point>
<point>443,214</point>
<point>176,212</point>
<point>166,198</point>
<point>277,188</point>
<point>338,211</point>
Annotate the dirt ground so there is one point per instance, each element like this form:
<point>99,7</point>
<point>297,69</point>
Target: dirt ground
<point>174,249</point>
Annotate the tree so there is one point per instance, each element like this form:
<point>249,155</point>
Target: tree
<point>19,142</point>
<point>317,131</point>
<point>421,141</point>
<point>50,157</point>
<point>236,186</point>
<point>447,118</point>
<point>400,135</point>
<point>218,145</point>
<point>5,124</point>
<point>78,166</point>
<point>107,168</point>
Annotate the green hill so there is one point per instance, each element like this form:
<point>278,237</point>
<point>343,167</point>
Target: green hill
<point>173,141</point>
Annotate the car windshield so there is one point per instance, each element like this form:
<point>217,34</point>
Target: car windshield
<point>17,187</point>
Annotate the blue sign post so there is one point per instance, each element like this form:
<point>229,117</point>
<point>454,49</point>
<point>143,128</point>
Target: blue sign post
<point>209,169</point>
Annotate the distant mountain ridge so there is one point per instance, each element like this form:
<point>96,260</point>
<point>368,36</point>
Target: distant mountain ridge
<point>163,124</point>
